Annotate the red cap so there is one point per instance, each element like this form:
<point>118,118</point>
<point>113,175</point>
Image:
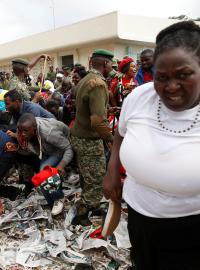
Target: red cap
<point>124,62</point>
<point>43,175</point>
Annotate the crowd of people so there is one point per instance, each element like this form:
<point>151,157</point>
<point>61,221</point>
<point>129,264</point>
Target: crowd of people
<point>120,116</point>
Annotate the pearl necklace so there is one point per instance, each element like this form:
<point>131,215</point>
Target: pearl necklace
<point>194,122</point>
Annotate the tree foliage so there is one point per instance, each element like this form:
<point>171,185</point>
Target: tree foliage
<point>184,17</point>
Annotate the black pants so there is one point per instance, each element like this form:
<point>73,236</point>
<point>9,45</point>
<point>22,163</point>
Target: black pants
<point>164,244</point>
<point>5,165</point>
<point>7,162</point>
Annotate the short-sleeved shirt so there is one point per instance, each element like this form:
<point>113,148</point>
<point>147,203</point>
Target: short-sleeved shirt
<point>162,167</point>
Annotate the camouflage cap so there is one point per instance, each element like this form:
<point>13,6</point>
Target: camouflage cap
<point>20,61</point>
<point>103,53</point>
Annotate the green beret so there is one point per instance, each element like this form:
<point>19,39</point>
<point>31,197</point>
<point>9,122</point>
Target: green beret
<point>103,53</point>
<point>20,61</point>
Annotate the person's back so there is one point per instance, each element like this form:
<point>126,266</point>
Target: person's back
<point>35,109</point>
<point>91,95</point>
<point>53,139</point>
<point>16,106</point>
<point>50,128</point>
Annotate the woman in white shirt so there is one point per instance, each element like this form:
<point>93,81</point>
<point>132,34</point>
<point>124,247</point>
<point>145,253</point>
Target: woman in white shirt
<point>158,143</point>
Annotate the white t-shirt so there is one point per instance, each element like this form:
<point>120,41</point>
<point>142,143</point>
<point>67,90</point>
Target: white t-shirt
<point>163,168</point>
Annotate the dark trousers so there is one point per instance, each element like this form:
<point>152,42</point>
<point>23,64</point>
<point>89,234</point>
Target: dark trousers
<point>5,165</point>
<point>164,244</point>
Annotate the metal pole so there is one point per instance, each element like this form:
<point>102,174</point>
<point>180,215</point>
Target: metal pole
<point>53,14</point>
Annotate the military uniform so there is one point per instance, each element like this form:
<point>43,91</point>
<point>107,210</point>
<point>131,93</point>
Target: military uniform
<point>16,83</point>
<point>20,86</point>
<point>92,165</point>
<point>91,104</point>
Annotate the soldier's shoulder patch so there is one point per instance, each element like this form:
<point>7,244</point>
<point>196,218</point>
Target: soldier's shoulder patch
<point>95,82</point>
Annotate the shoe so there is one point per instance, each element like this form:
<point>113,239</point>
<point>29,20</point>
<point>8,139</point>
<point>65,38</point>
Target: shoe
<point>57,207</point>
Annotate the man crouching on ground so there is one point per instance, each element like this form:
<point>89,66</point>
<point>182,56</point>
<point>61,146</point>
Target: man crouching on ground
<point>48,139</point>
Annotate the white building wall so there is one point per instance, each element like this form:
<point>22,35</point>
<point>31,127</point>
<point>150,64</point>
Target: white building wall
<point>92,30</point>
<point>141,29</point>
<point>130,49</point>
<point>81,55</point>
<point>85,53</point>
<point>38,68</point>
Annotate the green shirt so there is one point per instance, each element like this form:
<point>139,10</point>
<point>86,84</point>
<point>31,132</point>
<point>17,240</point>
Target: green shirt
<point>91,99</point>
<point>51,76</point>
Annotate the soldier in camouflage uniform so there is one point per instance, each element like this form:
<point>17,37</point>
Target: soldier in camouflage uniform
<point>20,69</point>
<point>20,73</point>
<point>90,129</point>
<point>92,166</point>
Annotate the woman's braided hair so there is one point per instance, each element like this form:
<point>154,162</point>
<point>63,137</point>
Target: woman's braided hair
<point>185,34</point>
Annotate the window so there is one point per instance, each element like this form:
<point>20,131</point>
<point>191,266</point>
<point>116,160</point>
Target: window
<point>67,60</point>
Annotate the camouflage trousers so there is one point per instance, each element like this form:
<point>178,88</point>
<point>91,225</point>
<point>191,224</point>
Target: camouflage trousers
<point>92,166</point>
